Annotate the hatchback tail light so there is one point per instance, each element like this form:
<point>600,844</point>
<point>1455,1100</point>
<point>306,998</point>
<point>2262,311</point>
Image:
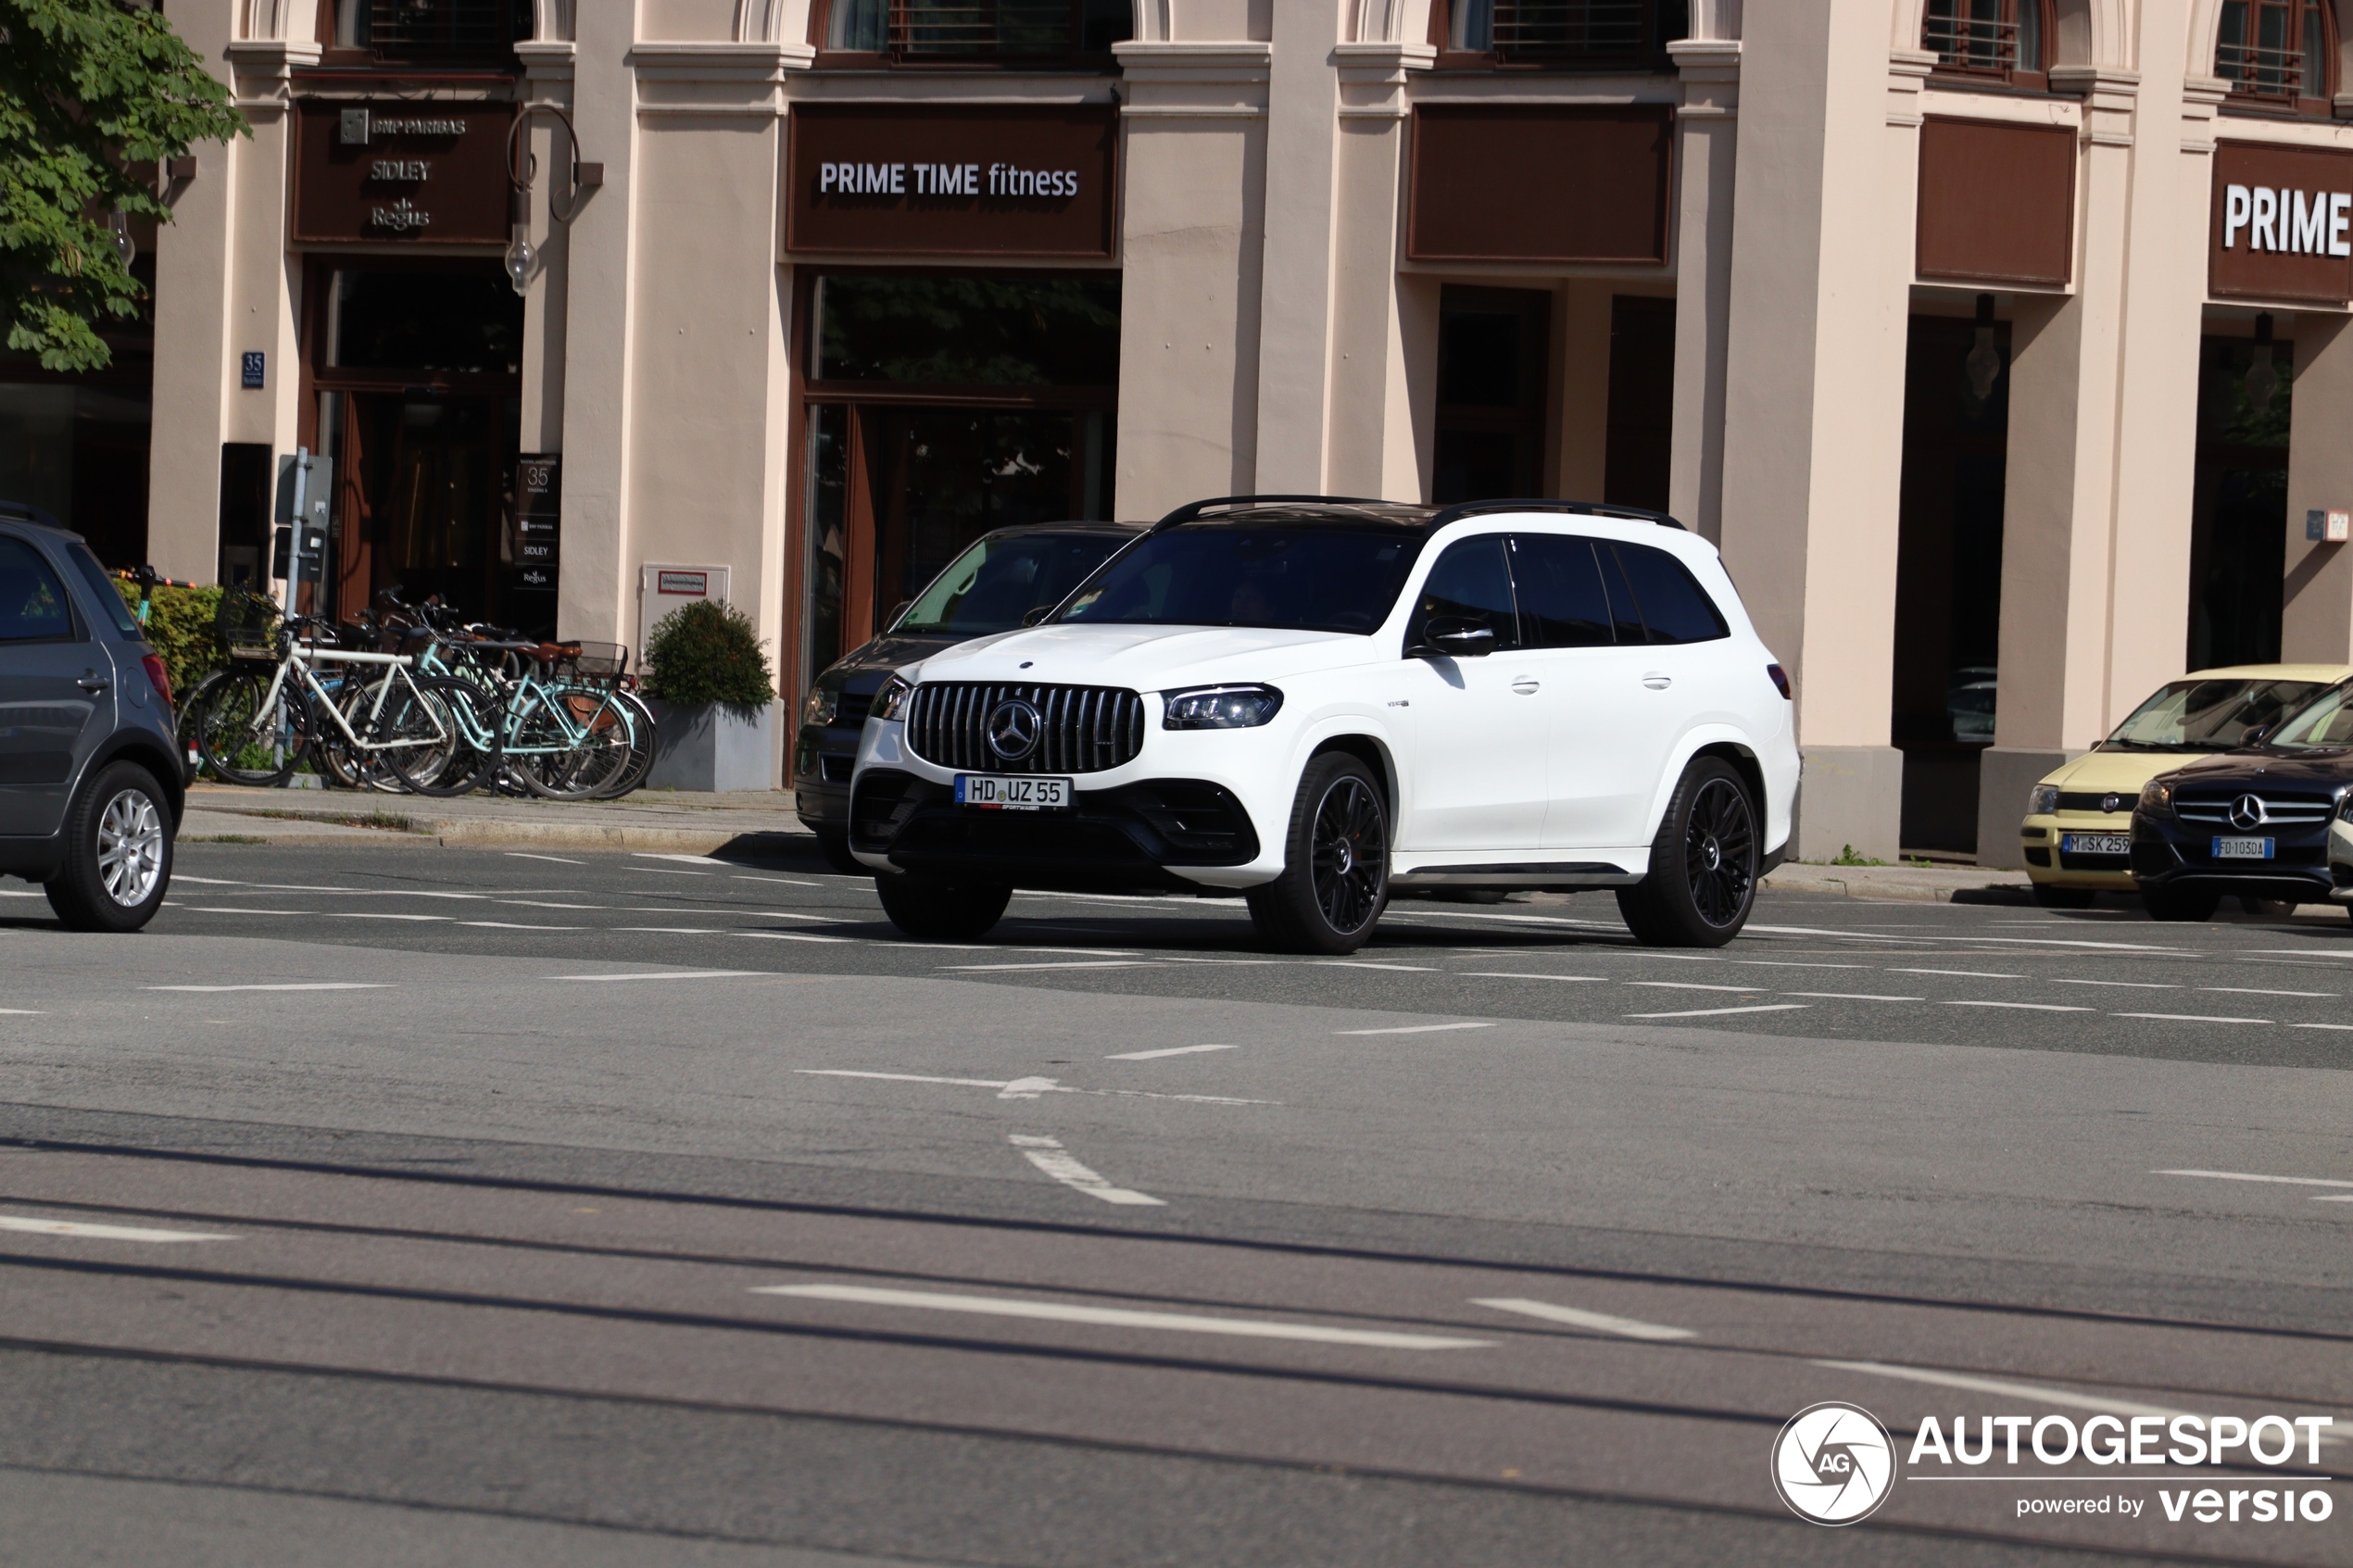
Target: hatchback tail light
<point>1781,677</point>
<point>157,676</point>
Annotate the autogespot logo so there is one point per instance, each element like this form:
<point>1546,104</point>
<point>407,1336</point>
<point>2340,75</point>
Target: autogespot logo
<point>1833,1464</point>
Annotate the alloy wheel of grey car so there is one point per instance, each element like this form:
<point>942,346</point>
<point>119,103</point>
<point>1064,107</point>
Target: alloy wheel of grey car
<point>130,846</point>
<point>119,849</point>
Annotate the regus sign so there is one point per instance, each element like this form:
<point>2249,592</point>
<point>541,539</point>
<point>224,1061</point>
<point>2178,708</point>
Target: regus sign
<point>2297,223</point>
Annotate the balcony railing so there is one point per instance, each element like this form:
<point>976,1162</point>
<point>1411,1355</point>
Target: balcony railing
<point>1556,31</point>
<point>424,30</point>
<point>2255,71</point>
<point>1980,45</point>
<point>978,31</point>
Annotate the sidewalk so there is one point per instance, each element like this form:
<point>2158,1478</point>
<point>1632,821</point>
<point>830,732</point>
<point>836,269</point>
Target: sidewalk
<point>753,822</point>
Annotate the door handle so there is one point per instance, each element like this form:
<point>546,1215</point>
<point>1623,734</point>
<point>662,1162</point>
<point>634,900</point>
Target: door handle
<point>1524,684</point>
<point>1658,680</point>
<point>93,685</point>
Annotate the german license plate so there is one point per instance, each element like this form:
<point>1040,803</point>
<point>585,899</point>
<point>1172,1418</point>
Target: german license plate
<point>2095,844</point>
<point>1001,792</point>
<point>2243,848</point>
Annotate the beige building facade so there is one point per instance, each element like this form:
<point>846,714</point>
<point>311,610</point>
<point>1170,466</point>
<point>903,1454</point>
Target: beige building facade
<point>2001,344</point>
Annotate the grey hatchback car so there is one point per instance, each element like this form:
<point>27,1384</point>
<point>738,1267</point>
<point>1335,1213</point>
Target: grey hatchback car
<point>90,785</point>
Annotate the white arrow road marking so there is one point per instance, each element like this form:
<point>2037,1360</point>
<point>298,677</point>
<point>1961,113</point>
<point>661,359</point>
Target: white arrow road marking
<point>102,1233</point>
<point>1031,1087</point>
<point>1576,1317</point>
<point>1170,1050</point>
<point>1048,1156</point>
<point>2250,1176</point>
<point>1416,1028</point>
<point>301,985</point>
<point>1121,1317</point>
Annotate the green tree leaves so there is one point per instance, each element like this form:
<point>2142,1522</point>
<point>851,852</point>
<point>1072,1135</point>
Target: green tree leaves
<point>93,95</point>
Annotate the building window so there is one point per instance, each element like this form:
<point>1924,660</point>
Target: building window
<point>433,30</point>
<point>1561,35</point>
<point>2004,41</point>
<point>965,33</point>
<point>2277,50</point>
<point>1494,370</point>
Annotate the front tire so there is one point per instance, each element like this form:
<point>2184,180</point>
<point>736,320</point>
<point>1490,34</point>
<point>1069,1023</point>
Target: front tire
<point>834,848</point>
<point>1335,881</point>
<point>2165,903</point>
<point>942,911</point>
<point>118,863</point>
<point>1702,884</point>
<point>2052,897</point>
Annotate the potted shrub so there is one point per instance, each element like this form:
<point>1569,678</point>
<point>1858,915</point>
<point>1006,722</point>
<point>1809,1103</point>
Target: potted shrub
<point>713,698</point>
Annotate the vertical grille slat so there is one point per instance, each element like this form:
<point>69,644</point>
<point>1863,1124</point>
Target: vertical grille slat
<point>1081,729</point>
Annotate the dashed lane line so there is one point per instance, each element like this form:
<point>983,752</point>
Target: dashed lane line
<point>670,975</point>
<point>2120,985</point>
<point>80,1230</point>
<point>1120,1317</point>
<point>2023,1006</point>
<point>2254,1177</point>
<point>1576,1317</point>
<point>2187,1018</point>
<point>1167,1051</point>
<point>1957,974</point>
<point>1025,1089</point>
<point>1508,974</point>
<point>1416,1028</point>
<point>1694,986</point>
<point>287,985</point>
<point>1852,996</point>
<point>1718,1012</point>
<point>559,859</point>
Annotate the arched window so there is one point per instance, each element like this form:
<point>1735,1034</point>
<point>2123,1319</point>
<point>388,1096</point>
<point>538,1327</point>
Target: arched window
<point>2281,50</point>
<point>1996,40</point>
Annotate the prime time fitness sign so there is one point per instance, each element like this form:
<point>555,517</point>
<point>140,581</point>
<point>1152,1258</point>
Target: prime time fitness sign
<point>872,180</point>
<point>2282,225</point>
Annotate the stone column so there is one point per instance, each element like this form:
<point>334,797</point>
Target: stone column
<point>1384,353</point>
<point>1295,313</point>
<point>1707,140</point>
<point>2316,610</point>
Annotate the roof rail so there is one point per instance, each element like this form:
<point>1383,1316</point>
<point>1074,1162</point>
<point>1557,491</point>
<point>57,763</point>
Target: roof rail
<point>1193,510</point>
<point>1582,508</point>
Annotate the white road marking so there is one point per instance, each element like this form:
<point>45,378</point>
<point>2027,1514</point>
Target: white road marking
<point>2251,991</point>
<point>1030,1087</point>
<point>1170,1050</point>
<point>37,893</point>
<point>672,930</point>
<point>1402,968</point>
<point>1959,973</point>
<point>289,986</point>
<point>21,1012</point>
<point>1119,1317</point>
<point>1508,975</point>
<point>227,909</point>
<point>2023,1006</point>
<point>2126,984</point>
<point>102,1233</point>
<point>1048,1155</point>
<point>542,904</point>
<point>787,881</point>
<point>662,871</point>
<point>2003,1385</point>
<point>517,925</point>
<point>1852,996</point>
<point>1792,964</point>
<point>1691,986</point>
<point>1075,963</point>
<point>791,936</point>
<point>688,859</point>
<point>2251,1176</point>
<point>559,859</point>
<point>2187,1018</point>
<point>2321,1025</point>
<point>1416,1028</point>
<point>672,974</point>
<point>2299,952</point>
<point>1718,1012</point>
<point>1576,1317</point>
<point>379,914</point>
<point>183,876</point>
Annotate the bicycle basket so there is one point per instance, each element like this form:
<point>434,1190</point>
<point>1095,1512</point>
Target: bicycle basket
<point>247,624</point>
<point>591,661</point>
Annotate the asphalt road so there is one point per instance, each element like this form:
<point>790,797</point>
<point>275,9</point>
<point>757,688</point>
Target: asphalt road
<point>416,1206</point>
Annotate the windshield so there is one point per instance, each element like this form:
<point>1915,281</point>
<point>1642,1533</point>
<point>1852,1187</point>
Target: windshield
<point>992,585</point>
<point>2327,723</point>
<point>2207,715</point>
<point>1294,578</point>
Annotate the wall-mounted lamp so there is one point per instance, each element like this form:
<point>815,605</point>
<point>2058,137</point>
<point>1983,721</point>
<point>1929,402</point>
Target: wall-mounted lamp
<point>1985,361</point>
<point>2262,381</point>
<point>118,225</point>
<point>520,258</point>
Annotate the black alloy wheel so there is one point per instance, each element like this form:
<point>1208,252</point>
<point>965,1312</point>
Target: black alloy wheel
<point>932,910</point>
<point>834,847</point>
<point>1334,879</point>
<point>1702,885</point>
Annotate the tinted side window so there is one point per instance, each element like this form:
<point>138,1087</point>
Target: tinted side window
<point>1561,601</point>
<point>32,601</point>
<point>102,588</point>
<point>1472,581</point>
<point>1675,608</point>
<point>1624,613</point>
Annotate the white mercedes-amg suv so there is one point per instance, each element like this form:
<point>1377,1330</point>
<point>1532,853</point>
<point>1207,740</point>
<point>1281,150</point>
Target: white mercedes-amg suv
<point>1319,702</point>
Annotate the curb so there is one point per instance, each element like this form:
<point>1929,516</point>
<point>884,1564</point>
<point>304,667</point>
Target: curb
<point>288,824</point>
<point>1995,889</point>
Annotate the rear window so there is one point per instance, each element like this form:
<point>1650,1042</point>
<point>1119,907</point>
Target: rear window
<point>32,601</point>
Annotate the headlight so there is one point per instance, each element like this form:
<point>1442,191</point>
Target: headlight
<point>1220,707</point>
<point>2041,800</point>
<point>821,705</point>
<point>2156,798</point>
<point>890,703</point>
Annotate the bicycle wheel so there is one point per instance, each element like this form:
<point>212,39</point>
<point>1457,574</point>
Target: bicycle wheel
<point>358,767</point>
<point>572,761</point>
<point>435,735</point>
<point>245,737</point>
<point>641,746</point>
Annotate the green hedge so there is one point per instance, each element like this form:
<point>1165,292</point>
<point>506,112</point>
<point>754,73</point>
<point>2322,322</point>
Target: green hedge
<point>180,625</point>
<point>707,652</point>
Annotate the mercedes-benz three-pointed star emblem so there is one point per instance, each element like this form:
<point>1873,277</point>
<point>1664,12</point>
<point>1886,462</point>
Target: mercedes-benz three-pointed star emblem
<point>1015,726</point>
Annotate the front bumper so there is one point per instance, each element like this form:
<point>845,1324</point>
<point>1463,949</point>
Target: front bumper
<point>2179,855</point>
<point>1131,837</point>
<point>824,756</point>
<point>2039,840</point>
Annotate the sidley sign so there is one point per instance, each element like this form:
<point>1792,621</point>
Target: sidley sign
<point>865,180</point>
<point>2282,225</point>
<point>430,172</point>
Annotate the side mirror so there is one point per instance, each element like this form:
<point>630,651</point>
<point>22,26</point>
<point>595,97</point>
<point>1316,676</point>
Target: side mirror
<point>1456,636</point>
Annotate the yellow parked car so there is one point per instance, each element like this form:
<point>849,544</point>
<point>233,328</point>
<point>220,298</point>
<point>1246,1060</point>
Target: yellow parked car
<point>2077,835</point>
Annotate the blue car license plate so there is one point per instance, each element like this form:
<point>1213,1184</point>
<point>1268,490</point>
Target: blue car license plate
<point>1001,792</point>
<point>2244,849</point>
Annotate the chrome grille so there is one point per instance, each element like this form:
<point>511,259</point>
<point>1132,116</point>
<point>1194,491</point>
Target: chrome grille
<point>1086,729</point>
<point>2279,809</point>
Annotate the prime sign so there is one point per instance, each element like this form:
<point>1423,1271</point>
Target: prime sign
<point>2300,223</point>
